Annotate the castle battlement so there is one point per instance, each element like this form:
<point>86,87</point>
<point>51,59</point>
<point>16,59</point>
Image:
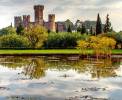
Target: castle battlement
<point>51,17</point>
<point>41,7</point>
<point>38,14</point>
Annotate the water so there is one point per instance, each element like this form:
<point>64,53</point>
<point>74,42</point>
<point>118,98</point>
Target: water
<point>60,78</point>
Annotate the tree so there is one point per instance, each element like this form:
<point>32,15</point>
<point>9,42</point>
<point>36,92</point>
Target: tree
<point>69,29</point>
<point>13,41</point>
<point>107,27</point>
<point>83,29</point>
<point>68,23</point>
<point>57,29</point>
<point>98,25</point>
<point>20,30</point>
<point>8,30</point>
<point>48,31</point>
<point>91,30</point>
<point>82,45</point>
<point>36,34</point>
<point>79,29</point>
<point>63,40</point>
<point>102,45</point>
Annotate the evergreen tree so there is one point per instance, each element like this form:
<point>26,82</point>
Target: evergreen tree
<point>20,30</point>
<point>91,30</point>
<point>83,29</point>
<point>107,27</point>
<point>98,25</point>
<point>48,31</point>
<point>79,29</point>
<point>69,29</point>
<point>57,29</point>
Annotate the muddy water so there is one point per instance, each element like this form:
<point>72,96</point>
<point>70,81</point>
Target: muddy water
<point>60,78</point>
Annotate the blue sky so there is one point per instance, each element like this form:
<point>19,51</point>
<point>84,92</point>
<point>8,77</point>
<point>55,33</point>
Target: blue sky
<point>64,9</point>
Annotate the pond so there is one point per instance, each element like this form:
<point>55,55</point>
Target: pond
<point>60,78</point>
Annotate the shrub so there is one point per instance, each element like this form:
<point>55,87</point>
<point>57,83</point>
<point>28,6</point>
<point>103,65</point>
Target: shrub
<point>13,41</point>
<point>7,31</point>
<point>63,40</point>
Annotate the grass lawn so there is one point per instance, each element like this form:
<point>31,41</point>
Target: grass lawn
<point>51,51</point>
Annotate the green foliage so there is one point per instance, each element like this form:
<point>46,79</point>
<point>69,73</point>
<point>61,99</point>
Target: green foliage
<point>57,29</point>
<point>20,30</point>
<point>13,41</point>
<point>69,29</point>
<point>83,29</point>
<point>63,40</point>
<point>7,30</point>
<point>48,31</point>
<point>79,29</point>
<point>91,30</point>
<point>68,23</point>
<point>36,34</point>
<point>98,25</point>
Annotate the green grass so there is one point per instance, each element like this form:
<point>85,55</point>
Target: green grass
<point>51,51</point>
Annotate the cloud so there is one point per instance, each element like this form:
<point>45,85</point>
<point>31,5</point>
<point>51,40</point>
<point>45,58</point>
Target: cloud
<point>64,9</point>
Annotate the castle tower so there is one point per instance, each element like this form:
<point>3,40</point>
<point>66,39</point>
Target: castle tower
<point>39,14</point>
<point>17,21</point>
<point>51,19</point>
<point>26,20</point>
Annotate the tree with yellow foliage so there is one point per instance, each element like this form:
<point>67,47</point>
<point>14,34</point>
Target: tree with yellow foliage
<point>36,34</point>
<point>100,45</point>
<point>82,45</point>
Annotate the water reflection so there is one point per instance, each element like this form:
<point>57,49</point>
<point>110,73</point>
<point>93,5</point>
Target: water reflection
<point>35,67</point>
<point>60,78</point>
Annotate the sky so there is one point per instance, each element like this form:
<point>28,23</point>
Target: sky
<point>64,9</point>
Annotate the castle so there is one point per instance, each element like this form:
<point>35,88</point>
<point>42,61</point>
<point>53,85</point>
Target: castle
<point>51,25</point>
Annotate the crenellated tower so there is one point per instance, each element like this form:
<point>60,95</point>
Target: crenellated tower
<point>38,9</point>
<point>17,21</point>
<point>51,21</point>
<point>26,20</point>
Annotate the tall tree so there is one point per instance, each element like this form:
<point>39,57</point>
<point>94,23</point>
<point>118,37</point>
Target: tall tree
<point>107,27</point>
<point>57,29</point>
<point>79,29</point>
<point>83,29</point>
<point>98,25</point>
<point>69,29</point>
<point>91,30</point>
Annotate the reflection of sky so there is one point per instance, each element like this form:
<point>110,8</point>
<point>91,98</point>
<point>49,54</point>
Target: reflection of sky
<point>119,71</point>
<point>54,86</point>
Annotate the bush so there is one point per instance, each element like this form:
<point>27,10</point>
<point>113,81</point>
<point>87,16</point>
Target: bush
<point>13,41</point>
<point>7,31</point>
<point>116,36</point>
<point>63,40</point>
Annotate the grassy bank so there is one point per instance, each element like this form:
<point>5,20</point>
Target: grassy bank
<point>51,51</point>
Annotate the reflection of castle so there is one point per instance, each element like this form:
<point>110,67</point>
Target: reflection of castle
<point>38,9</point>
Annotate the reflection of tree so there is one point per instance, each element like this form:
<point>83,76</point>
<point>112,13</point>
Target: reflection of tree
<point>103,68</point>
<point>32,67</point>
<point>97,68</point>
<point>13,62</point>
<point>36,68</point>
